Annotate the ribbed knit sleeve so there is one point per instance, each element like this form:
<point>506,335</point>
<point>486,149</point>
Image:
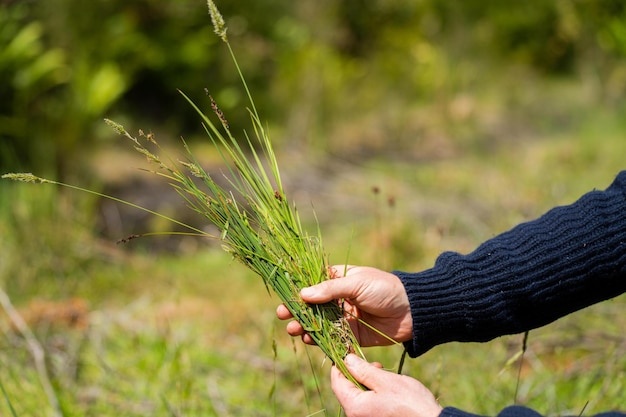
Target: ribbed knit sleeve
<point>571,257</point>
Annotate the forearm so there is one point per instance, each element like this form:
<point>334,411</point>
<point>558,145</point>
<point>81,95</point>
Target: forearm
<point>571,257</point>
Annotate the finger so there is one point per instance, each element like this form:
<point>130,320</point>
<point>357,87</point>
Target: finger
<point>344,389</point>
<point>306,338</point>
<point>332,289</point>
<point>367,374</point>
<point>294,328</point>
<point>283,313</point>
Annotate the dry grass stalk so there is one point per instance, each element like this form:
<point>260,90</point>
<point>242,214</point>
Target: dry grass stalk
<point>38,352</point>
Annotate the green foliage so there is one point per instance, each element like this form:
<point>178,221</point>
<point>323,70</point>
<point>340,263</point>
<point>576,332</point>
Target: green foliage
<point>68,66</point>
<point>29,71</point>
<point>317,68</point>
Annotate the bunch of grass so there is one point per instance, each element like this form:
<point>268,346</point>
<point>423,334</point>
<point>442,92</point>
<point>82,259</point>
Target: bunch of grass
<point>263,232</point>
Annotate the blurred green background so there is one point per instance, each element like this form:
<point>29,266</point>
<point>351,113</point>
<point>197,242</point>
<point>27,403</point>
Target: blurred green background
<point>409,127</point>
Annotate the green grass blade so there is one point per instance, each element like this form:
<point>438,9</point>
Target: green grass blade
<point>8,400</point>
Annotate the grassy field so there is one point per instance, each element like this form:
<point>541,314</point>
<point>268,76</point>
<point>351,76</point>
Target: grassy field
<point>179,329</point>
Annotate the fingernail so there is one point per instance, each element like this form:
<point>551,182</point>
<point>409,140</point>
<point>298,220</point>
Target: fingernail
<point>352,360</point>
<point>307,292</point>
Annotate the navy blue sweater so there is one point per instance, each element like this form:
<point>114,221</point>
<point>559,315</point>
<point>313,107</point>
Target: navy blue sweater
<point>570,258</point>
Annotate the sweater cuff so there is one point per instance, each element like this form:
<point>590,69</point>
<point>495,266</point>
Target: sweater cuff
<point>512,411</point>
<point>436,306</point>
<point>455,412</point>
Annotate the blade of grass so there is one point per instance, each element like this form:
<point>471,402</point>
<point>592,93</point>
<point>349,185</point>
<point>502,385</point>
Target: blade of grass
<point>27,177</point>
<point>8,400</point>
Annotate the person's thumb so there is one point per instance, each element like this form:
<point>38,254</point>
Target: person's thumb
<point>370,375</point>
<point>332,289</point>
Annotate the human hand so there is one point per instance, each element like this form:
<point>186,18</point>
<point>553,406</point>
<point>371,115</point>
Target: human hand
<point>389,394</point>
<point>369,295</point>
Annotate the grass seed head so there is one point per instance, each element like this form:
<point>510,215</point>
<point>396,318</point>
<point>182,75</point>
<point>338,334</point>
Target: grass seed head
<point>218,112</point>
<point>219,26</point>
<point>193,169</point>
<point>118,128</point>
<point>24,177</point>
